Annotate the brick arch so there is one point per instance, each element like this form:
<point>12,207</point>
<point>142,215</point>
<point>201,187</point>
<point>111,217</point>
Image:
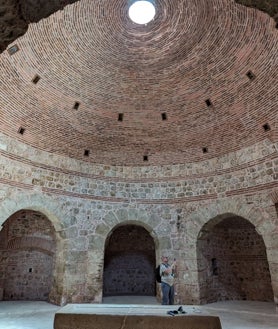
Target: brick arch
<point>31,243</point>
<point>274,196</point>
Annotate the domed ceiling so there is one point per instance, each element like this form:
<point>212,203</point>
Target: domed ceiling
<point>199,81</point>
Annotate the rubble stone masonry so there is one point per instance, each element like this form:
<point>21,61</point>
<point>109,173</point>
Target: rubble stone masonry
<point>83,203</point>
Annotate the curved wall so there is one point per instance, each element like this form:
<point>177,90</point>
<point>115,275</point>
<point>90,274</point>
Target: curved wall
<point>195,84</point>
<point>85,202</point>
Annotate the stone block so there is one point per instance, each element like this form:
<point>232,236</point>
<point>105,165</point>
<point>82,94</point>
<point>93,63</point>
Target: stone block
<point>85,316</point>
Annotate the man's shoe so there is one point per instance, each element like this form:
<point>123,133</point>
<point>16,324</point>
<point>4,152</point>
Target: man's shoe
<point>171,313</point>
<point>180,310</point>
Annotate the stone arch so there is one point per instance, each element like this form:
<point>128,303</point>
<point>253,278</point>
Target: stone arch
<point>37,202</point>
<point>232,261</point>
<point>48,207</point>
<point>264,224</point>
<point>140,217</point>
<point>112,220</point>
<point>222,208</point>
<point>129,262</point>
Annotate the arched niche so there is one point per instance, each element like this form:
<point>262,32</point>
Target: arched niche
<point>129,262</point>
<point>232,261</point>
<point>27,249</point>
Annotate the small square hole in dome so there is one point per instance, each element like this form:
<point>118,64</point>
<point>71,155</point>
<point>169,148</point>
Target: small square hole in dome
<point>13,49</point>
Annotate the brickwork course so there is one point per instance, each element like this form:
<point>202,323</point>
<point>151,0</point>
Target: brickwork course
<point>121,142</point>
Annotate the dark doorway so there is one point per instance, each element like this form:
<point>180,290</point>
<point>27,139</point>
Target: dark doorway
<point>129,262</point>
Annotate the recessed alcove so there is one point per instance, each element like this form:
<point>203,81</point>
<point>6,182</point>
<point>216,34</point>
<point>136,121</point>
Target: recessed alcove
<point>232,261</point>
<point>27,247</point>
<point>129,262</point>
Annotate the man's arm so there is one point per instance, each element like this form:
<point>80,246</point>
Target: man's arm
<point>167,270</point>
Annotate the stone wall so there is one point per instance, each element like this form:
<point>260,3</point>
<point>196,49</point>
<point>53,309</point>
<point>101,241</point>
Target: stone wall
<point>85,203</point>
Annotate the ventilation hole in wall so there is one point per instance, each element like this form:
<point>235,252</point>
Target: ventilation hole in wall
<point>76,105</point>
<point>13,49</point>
<point>276,207</point>
<point>205,150</point>
<point>102,12</point>
<point>250,75</point>
<point>120,117</point>
<point>178,222</point>
<point>208,102</point>
<point>145,158</point>
<point>164,116</point>
<point>21,130</point>
<point>266,127</point>
<point>30,270</point>
<point>214,266</point>
<point>36,79</point>
<point>86,153</point>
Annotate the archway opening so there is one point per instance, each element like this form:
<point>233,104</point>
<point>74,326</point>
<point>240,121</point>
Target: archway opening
<point>129,263</point>
<point>232,262</point>
<point>27,249</point>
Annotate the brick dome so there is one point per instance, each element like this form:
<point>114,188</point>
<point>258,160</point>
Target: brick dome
<point>197,82</point>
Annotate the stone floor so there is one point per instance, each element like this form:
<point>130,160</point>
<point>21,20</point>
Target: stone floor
<point>233,314</point>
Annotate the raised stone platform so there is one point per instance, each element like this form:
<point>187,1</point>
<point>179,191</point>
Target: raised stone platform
<point>108,316</point>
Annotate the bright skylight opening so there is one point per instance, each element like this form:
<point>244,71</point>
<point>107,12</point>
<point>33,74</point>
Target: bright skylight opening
<point>141,12</point>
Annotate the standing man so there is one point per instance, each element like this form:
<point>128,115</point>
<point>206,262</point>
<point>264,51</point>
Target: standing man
<point>167,273</point>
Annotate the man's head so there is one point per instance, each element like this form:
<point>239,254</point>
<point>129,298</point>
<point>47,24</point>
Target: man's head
<point>164,259</point>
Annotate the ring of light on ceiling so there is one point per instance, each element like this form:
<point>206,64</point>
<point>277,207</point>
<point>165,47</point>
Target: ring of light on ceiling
<point>141,12</point>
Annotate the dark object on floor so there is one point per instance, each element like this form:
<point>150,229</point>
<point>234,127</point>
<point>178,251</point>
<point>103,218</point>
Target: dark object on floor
<point>179,311</point>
